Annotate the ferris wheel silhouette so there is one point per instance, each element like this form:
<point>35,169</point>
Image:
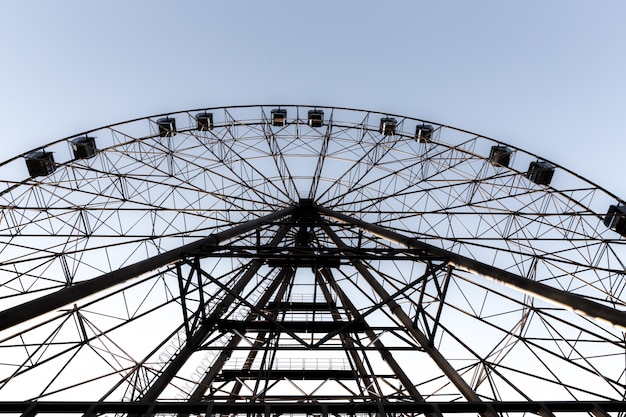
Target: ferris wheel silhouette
<point>306,260</point>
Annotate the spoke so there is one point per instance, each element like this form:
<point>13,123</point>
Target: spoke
<point>268,260</point>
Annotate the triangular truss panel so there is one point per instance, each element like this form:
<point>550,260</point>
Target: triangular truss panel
<point>299,260</point>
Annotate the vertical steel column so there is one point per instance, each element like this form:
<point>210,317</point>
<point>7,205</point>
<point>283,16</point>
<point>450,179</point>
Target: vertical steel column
<point>397,310</point>
<point>192,345</point>
<point>227,351</point>
<point>325,272</point>
<point>384,352</point>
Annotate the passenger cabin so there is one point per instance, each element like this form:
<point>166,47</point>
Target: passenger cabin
<point>167,126</point>
<point>40,163</point>
<point>615,219</point>
<point>316,118</point>
<point>424,133</point>
<point>388,126</point>
<point>279,117</point>
<point>84,147</point>
<point>204,121</point>
<point>540,172</point>
<point>500,155</point>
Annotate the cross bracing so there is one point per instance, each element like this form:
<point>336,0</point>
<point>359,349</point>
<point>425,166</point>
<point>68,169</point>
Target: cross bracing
<point>258,265</point>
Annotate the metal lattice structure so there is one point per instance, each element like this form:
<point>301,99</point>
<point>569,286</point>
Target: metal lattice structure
<point>306,260</point>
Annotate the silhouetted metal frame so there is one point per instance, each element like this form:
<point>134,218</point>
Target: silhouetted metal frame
<point>204,408</point>
<point>48,303</point>
<point>159,384</point>
<point>443,364</point>
<point>576,303</point>
<point>565,299</point>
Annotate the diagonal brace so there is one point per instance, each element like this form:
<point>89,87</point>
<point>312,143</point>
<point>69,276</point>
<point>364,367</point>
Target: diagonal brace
<point>574,302</point>
<point>68,295</point>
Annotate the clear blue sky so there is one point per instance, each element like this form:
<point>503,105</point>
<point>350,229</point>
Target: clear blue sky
<point>547,76</point>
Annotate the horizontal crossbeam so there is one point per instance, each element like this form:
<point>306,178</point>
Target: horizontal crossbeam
<point>277,408</point>
<point>294,326</point>
<point>294,374</point>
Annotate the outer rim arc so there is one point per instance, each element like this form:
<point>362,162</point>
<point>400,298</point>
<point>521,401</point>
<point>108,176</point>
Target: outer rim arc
<point>65,139</point>
<point>510,186</point>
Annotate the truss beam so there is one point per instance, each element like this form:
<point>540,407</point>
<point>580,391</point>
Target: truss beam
<point>192,345</point>
<point>323,408</point>
<point>51,302</point>
<point>436,356</point>
<point>374,339</point>
<point>562,298</point>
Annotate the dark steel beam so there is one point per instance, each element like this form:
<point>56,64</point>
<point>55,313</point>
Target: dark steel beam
<point>443,293</point>
<point>565,299</point>
<point>51,302</point>
<point>277,290</point>
<point>280,374</point>
<point>285,407</point>
<point>362,377</point>
<point>375,340</point>
<point>310,327</point>
<point>159,384</point>
<point>211,374</point>
<point>401,315</point>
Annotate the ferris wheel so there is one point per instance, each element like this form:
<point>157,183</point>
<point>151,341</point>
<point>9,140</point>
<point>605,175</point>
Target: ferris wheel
<point>306,260</point>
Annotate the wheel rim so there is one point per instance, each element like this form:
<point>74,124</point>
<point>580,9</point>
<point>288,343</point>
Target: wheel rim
<point>148,191</point>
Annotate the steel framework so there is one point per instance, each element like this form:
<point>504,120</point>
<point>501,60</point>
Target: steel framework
<point>269,260</point>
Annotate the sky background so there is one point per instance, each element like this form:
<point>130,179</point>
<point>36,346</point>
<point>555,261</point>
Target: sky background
<point>546,76</point>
